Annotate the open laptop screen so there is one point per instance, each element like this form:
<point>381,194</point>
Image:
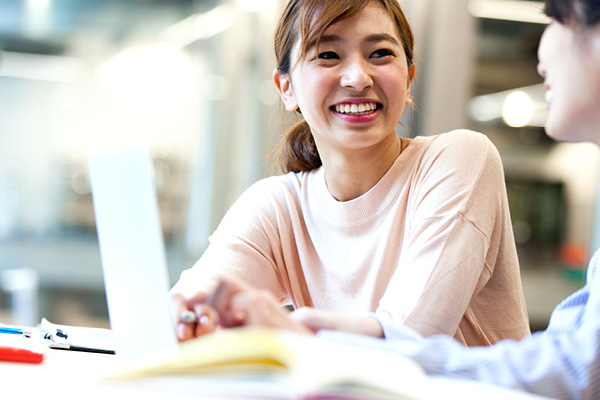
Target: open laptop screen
<point>132,250</point>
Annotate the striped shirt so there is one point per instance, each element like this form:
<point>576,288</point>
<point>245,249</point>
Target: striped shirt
<point>561,362</point>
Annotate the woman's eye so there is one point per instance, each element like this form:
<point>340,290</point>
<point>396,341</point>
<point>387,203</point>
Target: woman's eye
<point>328,55</point>
<point>382,53</point>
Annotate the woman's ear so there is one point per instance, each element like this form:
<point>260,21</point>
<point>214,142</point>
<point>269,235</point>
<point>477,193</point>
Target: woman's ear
<point>411,75</point>
<point>284,87</point>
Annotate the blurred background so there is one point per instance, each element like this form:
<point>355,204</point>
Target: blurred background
<point>192,79</point>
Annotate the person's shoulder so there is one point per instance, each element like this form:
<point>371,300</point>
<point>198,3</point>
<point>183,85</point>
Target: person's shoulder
<point>461,150</point>
<point>463,138</point>
<point>291,179</point>
<point>277,187</point>
<point>262,198</point>
<point>267,185</point>
<point>466,145</point>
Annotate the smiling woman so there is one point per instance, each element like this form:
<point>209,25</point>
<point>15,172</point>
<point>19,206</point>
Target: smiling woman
<point>298,152</point>
<point>363,221</point>
<point>358,63</point>
<point>560,362</point>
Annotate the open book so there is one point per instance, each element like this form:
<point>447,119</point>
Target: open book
<point>298,366</point>
<point>251,363</point>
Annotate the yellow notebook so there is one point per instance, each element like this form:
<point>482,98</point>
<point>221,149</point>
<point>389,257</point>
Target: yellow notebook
<point>300,366</point>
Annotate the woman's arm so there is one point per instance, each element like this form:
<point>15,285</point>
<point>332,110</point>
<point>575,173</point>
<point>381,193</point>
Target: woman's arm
<point>562,362</point>
<point>243,248</point>
<point>317,320</point>
<point>555,364</point>
<point>237,304</point>
<point>458,271</point>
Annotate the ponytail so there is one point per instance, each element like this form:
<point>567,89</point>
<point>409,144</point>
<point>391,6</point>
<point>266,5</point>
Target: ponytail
<point>297,151</point>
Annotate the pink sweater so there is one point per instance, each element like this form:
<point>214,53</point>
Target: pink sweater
<point>430,245</point>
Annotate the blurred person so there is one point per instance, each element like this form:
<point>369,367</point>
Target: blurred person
<point>417,230</point>
<point>564,360</point>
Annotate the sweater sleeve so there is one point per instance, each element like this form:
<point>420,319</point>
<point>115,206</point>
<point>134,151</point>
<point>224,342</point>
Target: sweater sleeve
<point>458,234</point>
<point>244,246</point>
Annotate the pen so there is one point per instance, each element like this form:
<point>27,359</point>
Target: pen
<point>60,346</point>
<point>15,331</point>
<point>190,317</point>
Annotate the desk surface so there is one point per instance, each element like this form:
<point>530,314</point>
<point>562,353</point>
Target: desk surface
<point>66,375</point>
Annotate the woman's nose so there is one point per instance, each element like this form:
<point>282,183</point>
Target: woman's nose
<point>356,75</point>
<point>541,67</point>
<point>541,70</point>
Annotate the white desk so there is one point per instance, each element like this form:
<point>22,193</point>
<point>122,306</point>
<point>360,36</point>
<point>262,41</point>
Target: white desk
<point>66,375</point>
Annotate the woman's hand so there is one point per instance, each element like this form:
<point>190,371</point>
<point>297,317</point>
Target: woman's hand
<point>232,304</point>
<point>240,305</point>
<point>192,317</point>
<point>320,319</point>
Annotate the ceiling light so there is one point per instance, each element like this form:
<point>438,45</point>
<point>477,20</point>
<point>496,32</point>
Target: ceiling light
<point>510,10</point>
<point>518,109</point>
<point>524,106</point>
<point>200,26</point>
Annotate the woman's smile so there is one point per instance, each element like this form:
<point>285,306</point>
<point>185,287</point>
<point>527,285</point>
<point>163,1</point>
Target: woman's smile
<point>357,111</point>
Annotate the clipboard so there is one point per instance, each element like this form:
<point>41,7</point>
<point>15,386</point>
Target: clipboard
<point>75,338</point>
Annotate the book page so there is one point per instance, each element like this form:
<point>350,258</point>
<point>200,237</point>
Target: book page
<point>309,366</point>
<point>235,350</point>
<point>330,370</point>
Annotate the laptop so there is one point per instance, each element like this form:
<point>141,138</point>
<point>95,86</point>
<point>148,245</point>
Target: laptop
<point>132,250</point>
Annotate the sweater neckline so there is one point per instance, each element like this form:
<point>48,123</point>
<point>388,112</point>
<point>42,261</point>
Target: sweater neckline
<point>376,200</point>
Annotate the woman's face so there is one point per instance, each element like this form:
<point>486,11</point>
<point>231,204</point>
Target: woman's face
<point>352,89</point>
<point>569,62</point>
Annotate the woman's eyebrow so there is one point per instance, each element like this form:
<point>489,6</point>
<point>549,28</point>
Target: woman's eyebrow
<point>382,37</point>
<point>324,39</point>
<point>373,38</point>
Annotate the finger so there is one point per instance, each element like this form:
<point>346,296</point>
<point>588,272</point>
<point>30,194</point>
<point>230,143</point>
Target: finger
<point>257,307</point>
<point>176,305</point>
<point>219,298</point>
<point>206,319</point>
<point>221,301</point>
<point>261,308</point>
<point>243,309</point>
<point>196,298</point>
<point>190,315</point>
<point>185,332</point>
<point>313,319</point>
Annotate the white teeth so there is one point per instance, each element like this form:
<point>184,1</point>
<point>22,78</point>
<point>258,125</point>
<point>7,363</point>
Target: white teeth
<point>362,108</point>
<point>549,96</point>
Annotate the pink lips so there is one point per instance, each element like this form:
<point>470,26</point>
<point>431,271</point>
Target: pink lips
<point>358,118</point>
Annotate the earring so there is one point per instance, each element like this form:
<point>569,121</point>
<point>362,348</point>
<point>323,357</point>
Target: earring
<point>409,101</point>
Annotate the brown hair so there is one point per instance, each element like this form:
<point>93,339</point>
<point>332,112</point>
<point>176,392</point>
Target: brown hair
<point>307,20</point>
<point>576,12</point>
